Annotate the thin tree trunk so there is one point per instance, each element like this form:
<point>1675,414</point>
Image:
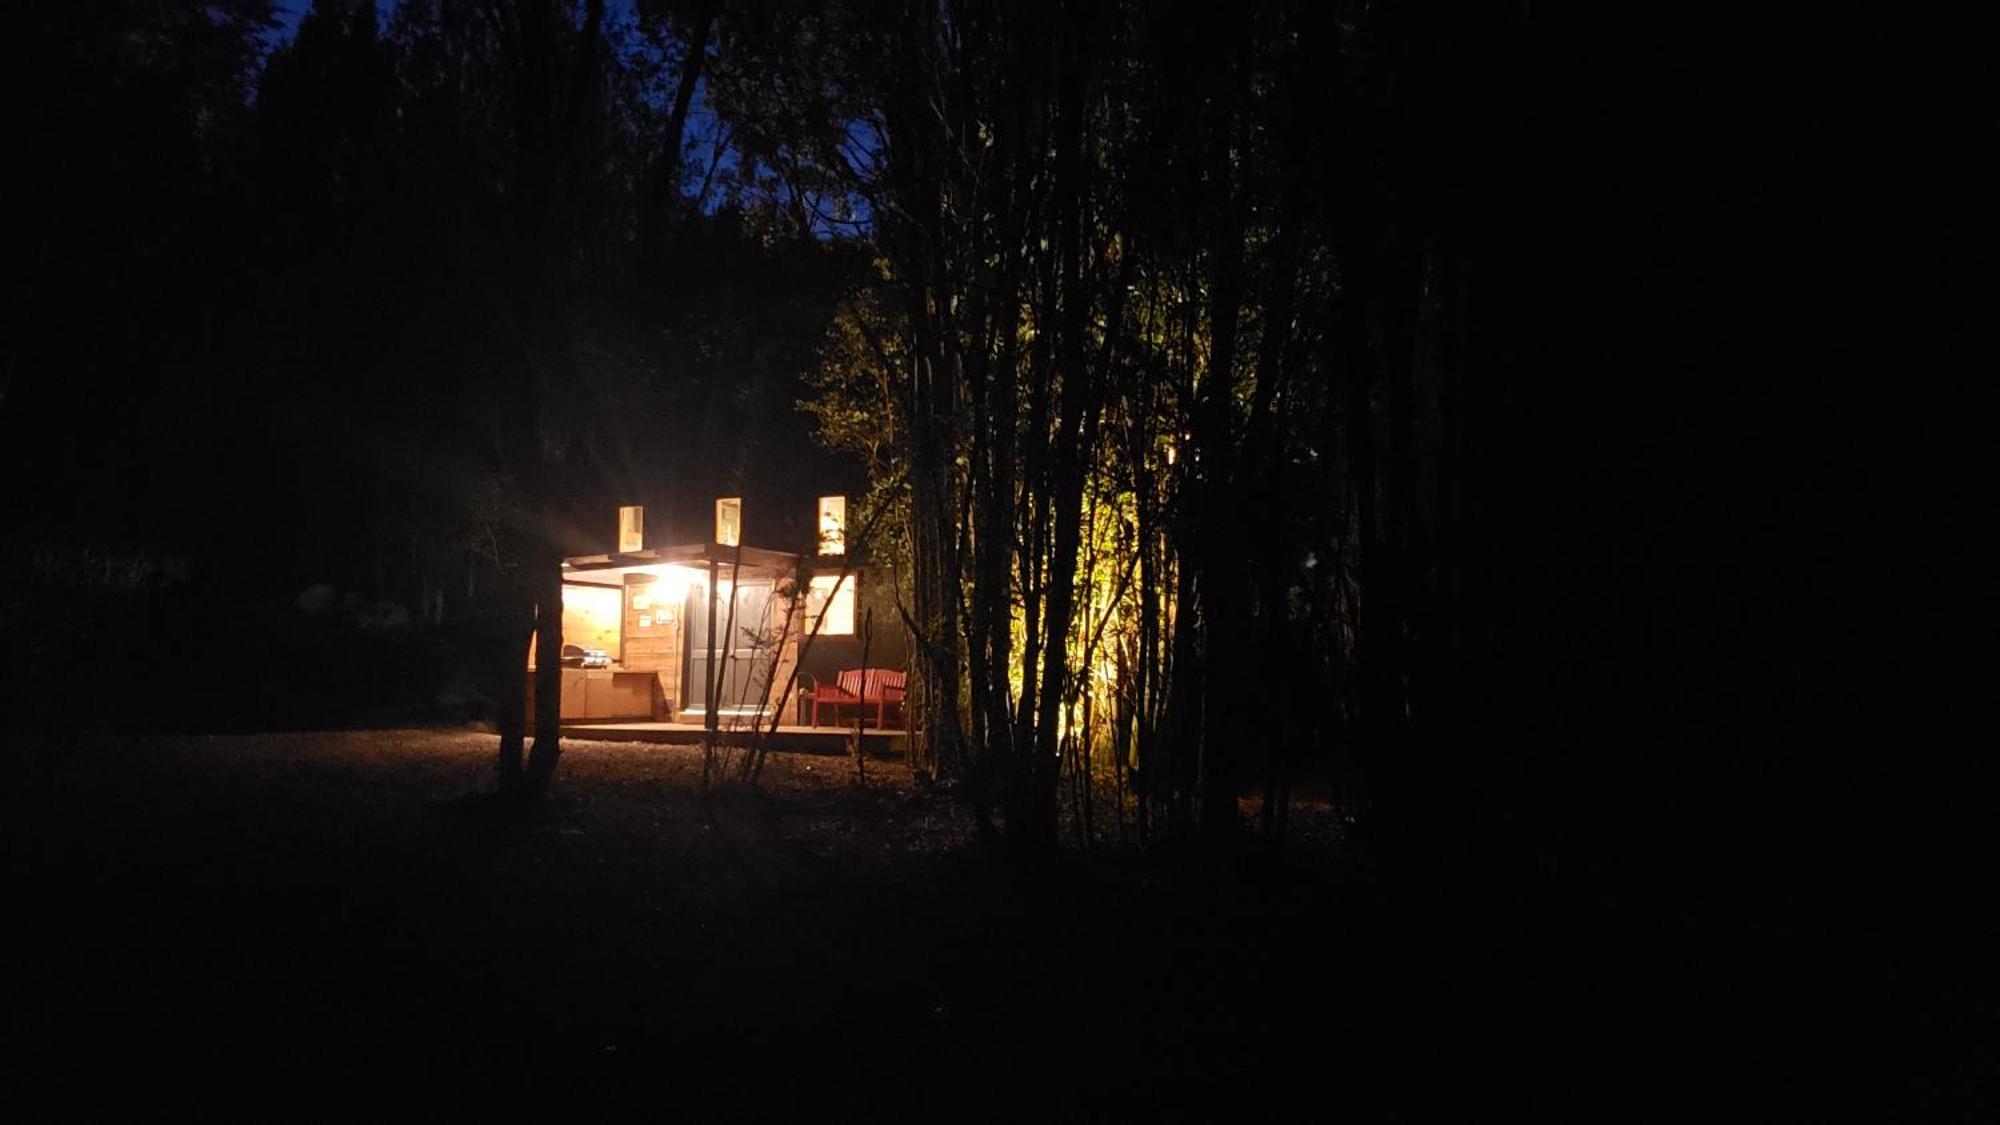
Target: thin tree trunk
<point>709,711</point>
<point>657,218</point>
<point>547,750</point>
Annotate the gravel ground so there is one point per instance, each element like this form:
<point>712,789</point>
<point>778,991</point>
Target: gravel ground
<point>313,923</point>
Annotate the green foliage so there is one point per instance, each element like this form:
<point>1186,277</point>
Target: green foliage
<point>1136,360</point>
<point>854,399</point>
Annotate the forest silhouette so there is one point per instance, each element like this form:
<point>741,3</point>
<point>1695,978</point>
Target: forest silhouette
<point>1338,402</point>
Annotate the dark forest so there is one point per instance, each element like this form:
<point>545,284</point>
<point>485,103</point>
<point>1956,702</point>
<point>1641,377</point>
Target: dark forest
<point>1364,570</point>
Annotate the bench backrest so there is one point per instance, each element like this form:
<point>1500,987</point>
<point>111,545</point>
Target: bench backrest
<point>873,683</point>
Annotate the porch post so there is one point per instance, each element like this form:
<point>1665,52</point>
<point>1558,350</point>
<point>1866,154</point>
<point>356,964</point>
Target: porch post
<point>710,674</point>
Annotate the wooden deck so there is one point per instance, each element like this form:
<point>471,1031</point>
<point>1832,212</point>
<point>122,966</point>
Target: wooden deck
<point>812,740</point>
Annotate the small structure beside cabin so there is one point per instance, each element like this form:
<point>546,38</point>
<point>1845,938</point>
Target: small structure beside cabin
<point>676,624</point>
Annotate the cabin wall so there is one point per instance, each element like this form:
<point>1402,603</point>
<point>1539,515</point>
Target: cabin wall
<point>591,616</point>
<point>653,634</point>
<point>646,623</point>
<point>886,648</point>
<point>590,619</point>
<point>788,658</point>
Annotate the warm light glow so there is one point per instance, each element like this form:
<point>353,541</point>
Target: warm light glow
<point>669,586</point>
<point>591,617</point>
<point>729,520</point>
<point>839,611</point>
<point>631,529</point>
<point>833,525</point>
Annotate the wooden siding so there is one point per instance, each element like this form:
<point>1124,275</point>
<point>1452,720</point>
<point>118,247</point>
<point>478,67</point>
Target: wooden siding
<point>655,646</point>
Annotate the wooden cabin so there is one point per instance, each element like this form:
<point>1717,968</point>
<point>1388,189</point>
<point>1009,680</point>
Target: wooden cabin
<point>676,622</point>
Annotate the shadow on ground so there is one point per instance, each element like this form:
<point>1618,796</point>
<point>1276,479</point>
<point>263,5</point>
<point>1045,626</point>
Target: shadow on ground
<point>314,925</point>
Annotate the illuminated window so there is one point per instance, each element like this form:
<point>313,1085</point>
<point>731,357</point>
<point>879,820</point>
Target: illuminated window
<point>631,529</point>
<point>837,604</point>
<point>729,520</point>
<point>833,525</point>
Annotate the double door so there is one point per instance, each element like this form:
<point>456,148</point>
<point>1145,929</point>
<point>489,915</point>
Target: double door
<point>746,645</point>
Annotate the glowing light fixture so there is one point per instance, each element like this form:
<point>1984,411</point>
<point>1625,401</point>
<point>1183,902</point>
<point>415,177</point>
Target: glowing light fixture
<point>669,586</point>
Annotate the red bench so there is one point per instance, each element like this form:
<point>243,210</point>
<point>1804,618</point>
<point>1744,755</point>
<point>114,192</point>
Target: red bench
<point>880,688</point>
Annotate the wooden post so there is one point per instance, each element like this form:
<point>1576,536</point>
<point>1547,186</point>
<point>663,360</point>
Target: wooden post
<point>709,718</point>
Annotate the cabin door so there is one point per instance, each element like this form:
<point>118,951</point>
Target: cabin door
<point>745,648</point>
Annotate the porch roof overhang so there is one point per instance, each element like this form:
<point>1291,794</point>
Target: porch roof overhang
<point>611,569</point>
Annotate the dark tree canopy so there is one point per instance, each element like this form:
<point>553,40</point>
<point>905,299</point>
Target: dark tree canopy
<point>1304,394</point>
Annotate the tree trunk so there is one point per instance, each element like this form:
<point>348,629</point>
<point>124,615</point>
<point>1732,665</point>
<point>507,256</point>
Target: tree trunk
<point>657,218</point>
<point>1222,537</point>
<point>542,758</point>
<point>1065,501</point>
